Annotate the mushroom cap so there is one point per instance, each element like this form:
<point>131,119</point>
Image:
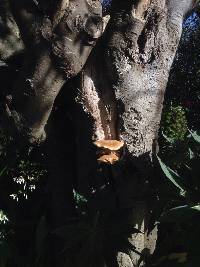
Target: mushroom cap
<point>112,145</point>
<point>109,158</point>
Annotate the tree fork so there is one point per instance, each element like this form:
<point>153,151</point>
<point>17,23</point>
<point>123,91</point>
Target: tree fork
<point>122,93</point>
<point>55,47</point>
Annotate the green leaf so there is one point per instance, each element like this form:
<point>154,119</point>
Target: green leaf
<point>79,198</point>
<point>195,136</point>
<point>3,64</point>
<point>180,213</point>
<point>168,139</point>
<point>3,171</point>
<point>191,154</point>
<point>197,207</point>
<point>3,217</point>
<point>172,176</point>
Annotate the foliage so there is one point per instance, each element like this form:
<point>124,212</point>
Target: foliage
<point>183,84</point>
<point>3,217</point>
<point>174,139</point>
<point>5,251</point>
<point>183,210</point>
<point>180,153</point>
<point>174,123</point>
<point>23,172</point>
<point>27,176</point>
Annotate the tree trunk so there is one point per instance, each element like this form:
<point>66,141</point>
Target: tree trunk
<point>123,91</point>
<point>121,86</point>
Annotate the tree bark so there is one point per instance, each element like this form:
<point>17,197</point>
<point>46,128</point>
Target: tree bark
<point>138,47</point>
<point>141,49</point>
<point>58,44</point>
<point>121,86</point>
<point>10,41</point>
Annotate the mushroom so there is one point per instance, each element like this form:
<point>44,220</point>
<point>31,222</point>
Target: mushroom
<point>109,158</point>
<point>109,150</point>
<point>113,145</point>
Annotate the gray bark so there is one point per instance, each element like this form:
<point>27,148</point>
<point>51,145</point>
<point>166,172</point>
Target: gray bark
<point>10,41</point>
<point>141,42</point>
<point>57,49</point>
<point>139,57</point>
<point>140,65</point>
<point>122,90</point>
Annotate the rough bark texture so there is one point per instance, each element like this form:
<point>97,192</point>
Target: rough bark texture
<point>121,89</point>
<point>10,41</point>
<point>139,56</point>
<point>139,48</point>
<point>58,45</point>
<point>139,64</point>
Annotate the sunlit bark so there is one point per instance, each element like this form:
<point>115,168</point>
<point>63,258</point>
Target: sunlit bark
<point>121,83</point>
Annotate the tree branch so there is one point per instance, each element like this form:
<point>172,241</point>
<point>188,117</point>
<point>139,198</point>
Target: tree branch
<point>26,15</point>
<point>177,9</point>
<point>52,58</point>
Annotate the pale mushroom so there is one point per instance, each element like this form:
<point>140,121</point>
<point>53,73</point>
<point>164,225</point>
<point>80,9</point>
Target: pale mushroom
<point>113,145</point>
<point>109,158</point>
<point>109,150</point>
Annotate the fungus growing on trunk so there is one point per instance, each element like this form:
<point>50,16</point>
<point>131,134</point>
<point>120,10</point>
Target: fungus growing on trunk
<point>109,150</point>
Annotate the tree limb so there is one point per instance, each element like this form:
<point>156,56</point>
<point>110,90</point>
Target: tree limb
<point>54,54</point>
